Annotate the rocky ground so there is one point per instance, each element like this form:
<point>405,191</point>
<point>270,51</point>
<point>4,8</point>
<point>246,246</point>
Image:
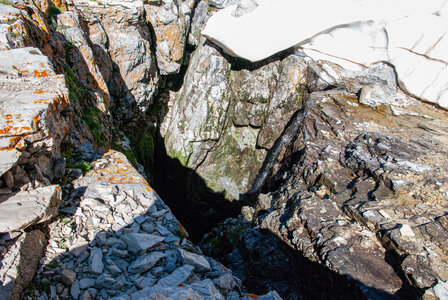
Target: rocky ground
<point>338,178</point>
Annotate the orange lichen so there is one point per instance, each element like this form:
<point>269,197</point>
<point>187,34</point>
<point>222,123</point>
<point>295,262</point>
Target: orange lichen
<point>181,227</point>
<point>39,91</point>
<point>224,268</point>
<point>252,296</point>
<point>180,285</point>
<point>40,73</point>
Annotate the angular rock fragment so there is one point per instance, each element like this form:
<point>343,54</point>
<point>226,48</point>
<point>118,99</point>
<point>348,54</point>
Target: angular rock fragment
<point>141,242</point>
<point>26,208</point>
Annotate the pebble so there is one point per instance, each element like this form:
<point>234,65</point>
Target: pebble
<point>68,276</point>
<point>96,265</point>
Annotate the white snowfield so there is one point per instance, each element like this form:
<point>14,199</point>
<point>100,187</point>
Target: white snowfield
<point>412,35</point>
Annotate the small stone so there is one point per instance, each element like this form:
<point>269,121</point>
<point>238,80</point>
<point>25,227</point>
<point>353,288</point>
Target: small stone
<point>96,261</point>
<point>225,283</point>
<point>140,219</point>
<point>86,296</point>
<point>179,276</point>
<point>157,271</point>
<point>86,283</point>
<point>406,230</point>
<point>113,268</point>
<point>9,179</point>
<point>145,262</point>
<point>163,231</point>
<point>68,276</point>
<point>74,290</point>
<point>104,280</point>
<point>114,241</point>
<point>93,292</point>
<point>441,290</point>
<point>146,281</point>
<point>120,253</point>
<point>101,238</point>
<point>147,227</point>
<point>199,262</point>
<point>272,295</point>
<point>141,242</point>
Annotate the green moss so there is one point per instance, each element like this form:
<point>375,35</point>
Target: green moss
<point>76,90</point>
<point>92,119</point>
<point>143,145</point>
<point>180,234</point>
<point>209,8</point>
<point>84,166</point>
<point>52,12</point>
<point>6,2</point>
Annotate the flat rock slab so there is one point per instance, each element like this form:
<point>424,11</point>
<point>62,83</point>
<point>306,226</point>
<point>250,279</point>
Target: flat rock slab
<point>141,242</point>
<point>27,208</point>
<point>31,98</point>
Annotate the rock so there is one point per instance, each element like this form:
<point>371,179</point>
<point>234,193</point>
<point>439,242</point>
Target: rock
<point>86,296</point>
<point>141,242</point>
<point>29,78</point>
<point>199,262</point>
<point>104,280</point>
<point>86,283</point>
<point>272,295</point>
<point>441,290</point>
<point>170,22</point>
<point>19,263</point>
<point>68,276</point>
<point>220,114</point>
<point>115,242</point>
<point>96,265</point>
<point>74,290</point>
<point>179,276</point>
<point>36,206</point>
<point>146,262</point>
<point>146,281</point>
<point>206,289</point>
<point>225,283</point>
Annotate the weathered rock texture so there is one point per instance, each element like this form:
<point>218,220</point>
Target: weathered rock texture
<point>222,120</point>
<point>170,21</point>
<point>362,190</point>
<point>120,240</point>
<point>32,100</point>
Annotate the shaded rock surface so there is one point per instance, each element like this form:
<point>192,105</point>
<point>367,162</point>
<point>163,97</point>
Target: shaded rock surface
<point>116,210</point>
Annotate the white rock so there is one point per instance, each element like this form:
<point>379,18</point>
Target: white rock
<point>406,230</point>
<point>179,276</point>
<point>441,290</point>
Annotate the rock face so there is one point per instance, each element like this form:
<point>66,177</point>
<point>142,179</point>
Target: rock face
<point>362,196</point>
<point>222,120</point>
<point>171,23</point>
<point>32,100</point>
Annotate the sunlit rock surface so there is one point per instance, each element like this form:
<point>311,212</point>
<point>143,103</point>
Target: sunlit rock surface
<point>32,98</point>
<point>373,31</point>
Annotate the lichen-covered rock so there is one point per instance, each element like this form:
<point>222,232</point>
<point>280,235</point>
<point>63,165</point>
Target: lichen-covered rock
<point>222,120</point>
<point>170,21</point>
<point>33,99</point>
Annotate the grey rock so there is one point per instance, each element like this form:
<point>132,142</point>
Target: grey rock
<point>119,253</point>
<point>101,238</point>
<point>225,283</point>
<point>141,242</point>
<point>68,276</point>
<point>74,290</point>
<point>145,262</point>
<point>199,262</point>
<point>170,267</point>
<point>86,283</point>
<point>179,276</point>
<point>146,281</point>
<point>9,179</point>
<point>148,227</point>
<point>114,241</point>
<point>96,261</point>
<point>104,280</point>
<point>157,271</point>
<point>36,206</point>
<point>207,290</point>
<point>272,295</point>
